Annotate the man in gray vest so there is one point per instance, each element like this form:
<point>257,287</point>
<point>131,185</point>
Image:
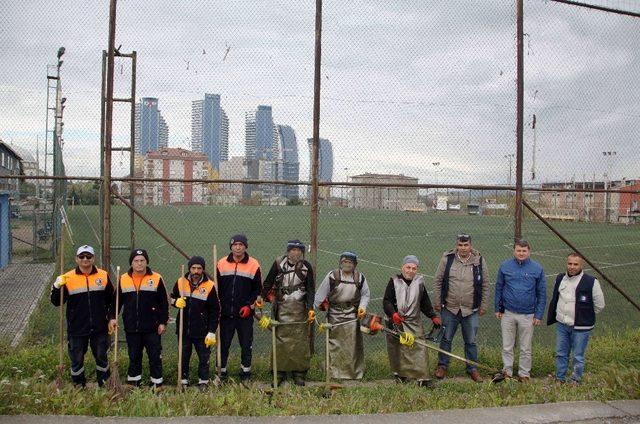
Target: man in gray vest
<point>404,299</point>
<point>344,294</point>
<point>290,288</point>
<point>577,298</point>
<point>461,293</point>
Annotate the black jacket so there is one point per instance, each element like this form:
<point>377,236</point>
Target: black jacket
<point>88,298</point>
<point>239,284</point>
<point>145,308</point>
<point>202,313</point>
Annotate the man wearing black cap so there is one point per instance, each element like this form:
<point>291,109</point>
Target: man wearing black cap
<point>145,312</point>
<point>239,284</point>
<point>290,288</point>
<point>195,292</point>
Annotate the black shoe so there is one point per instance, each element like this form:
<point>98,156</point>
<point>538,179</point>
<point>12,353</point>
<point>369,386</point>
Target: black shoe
<point>282,377</point>
<point>203,387</point>
<point>244,376</point>
<point>298,379</point>
<point>224,376</point>
<point>428,383</point>
<point>399,379</point>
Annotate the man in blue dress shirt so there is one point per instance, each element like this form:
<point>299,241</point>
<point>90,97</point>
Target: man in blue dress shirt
<point>520,299</point>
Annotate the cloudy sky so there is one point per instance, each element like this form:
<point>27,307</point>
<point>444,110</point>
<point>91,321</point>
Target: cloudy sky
<point>404,83</point>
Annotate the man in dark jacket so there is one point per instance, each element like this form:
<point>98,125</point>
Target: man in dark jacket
<point>195,292</point>
<point>89,295</point>
<point>461,295</point>
<point>576,299</point>
<point>145,312</point>
<point>239,284</point>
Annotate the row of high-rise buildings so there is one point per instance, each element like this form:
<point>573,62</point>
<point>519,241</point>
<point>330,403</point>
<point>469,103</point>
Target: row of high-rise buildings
<point>271,153</point>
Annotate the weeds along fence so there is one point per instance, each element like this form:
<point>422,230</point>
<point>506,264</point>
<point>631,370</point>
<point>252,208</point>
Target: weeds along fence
<point>383,128</point>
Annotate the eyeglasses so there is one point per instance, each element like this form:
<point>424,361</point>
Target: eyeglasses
<point>464,237</point>
<point>85,256</point>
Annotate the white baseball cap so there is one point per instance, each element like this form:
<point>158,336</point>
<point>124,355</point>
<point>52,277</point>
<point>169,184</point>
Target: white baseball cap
<point>85,249</point>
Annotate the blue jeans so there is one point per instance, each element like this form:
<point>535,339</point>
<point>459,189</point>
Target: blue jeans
<point>569,340</point>
<point>469,324</point>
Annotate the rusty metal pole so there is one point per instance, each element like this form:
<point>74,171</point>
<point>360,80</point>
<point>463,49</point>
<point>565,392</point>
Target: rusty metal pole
<point>132,152</point>
<point>103,102</point>
<point>575,249</point>
<point>108,128</point>
<point>519,117</point>
<point>150,224</point>
<point>315,150</point>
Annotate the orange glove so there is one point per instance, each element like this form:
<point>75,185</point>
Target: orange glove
<point>271,296</point>
<point>245,311</point>
<point>259,303</point>
<point>397,319</point>
<point>361,313</point>
<point>324,305</point>
<point>436,321</point>
<point>311,316</point>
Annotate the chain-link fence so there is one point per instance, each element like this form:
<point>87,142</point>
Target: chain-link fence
<point>213,134</point>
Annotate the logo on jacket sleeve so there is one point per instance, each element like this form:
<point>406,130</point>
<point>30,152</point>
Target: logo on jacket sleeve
<point>202,290</point>
<point>150,283</point>
<point>99,282</point>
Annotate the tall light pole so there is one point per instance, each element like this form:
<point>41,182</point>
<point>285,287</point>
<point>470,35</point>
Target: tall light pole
<point>437,170</point>
<point>510,159</point>
<point>609,154</point>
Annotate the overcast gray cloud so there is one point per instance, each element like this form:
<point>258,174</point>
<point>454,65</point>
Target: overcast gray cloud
<point>405,83</point>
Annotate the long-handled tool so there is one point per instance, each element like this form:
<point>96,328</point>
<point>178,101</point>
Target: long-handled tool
<point>180,330</point>
<point>275,357</point>
<point>113,383</point>
<point>265,323</point>
<point>218,341</point>
<point>59,378</point>
<point>326,327</point>
<point>373,324</point>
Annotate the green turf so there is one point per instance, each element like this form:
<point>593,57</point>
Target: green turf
<point>381,239</point>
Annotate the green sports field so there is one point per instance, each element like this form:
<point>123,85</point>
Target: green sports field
<point>381,239</point>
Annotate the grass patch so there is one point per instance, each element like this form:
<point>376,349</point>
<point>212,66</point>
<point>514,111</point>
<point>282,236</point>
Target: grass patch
<point>26,375</point>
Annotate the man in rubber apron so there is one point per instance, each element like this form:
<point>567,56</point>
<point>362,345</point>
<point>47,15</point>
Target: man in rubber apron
<point>290,288</point>
<point>404,298</point>
<point>344,294</point>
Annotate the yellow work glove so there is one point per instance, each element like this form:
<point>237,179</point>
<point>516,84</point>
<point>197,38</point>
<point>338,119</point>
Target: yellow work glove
<point>322,328</point>
<point>407,339</point>
<point>311,316</point>
<point>60,281</point>
<point>181,303</point>
<point>210,340</point>
<point>264,322</point>
<point>361,313</point>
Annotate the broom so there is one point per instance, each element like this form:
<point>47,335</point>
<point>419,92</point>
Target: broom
<point>113,382</point>
<point>59,378</point>
<point>180,330</point>
<point>219,343</point>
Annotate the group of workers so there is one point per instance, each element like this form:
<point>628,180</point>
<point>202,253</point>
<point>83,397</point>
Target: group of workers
<point>220,303</point>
